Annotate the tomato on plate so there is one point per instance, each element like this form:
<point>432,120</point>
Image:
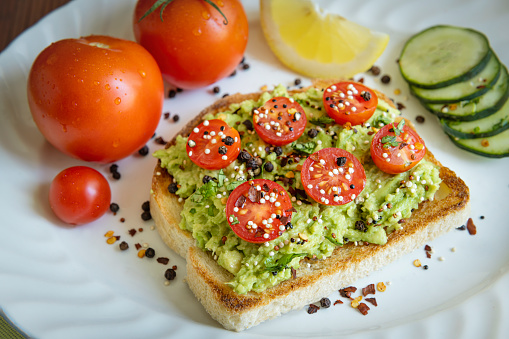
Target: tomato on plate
<point>279,121</point>
<point>259,210</point>
<point>96,98</point>
<point>192,42</point>
<point>213,144</point>
<point>79,195</point>
<point>349,101</point>
<point>396,148</point>
<point>333,176</point>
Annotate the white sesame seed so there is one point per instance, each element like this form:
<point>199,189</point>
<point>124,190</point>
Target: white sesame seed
<point>348,177</point>
<point>224,157</point>
<point>196,130</point>
<point>213,141</point>
<point>277,204</point>
<point>218,196</point>
<point>310,186</point>
<point>207,151</point>
<point>385,155</point>
<point>322,161</point>
<point>322,191</point>
<point>311,168</point>
<point>190,153</point>
<point>262,201</point>
<point>206,123</point>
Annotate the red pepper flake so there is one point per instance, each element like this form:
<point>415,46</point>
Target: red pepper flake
<point>370,289</point>
<point>347,291</point>
<point>337,302</point>
<point>363,308</point>
<point>163,260</point>
<point>294,273</point>
<point>371,300</point>
<point>472,230</point>
<point>138,246</point>
<point>428,254</point>
<point>132,232</point>
<point>174,267</point>
<point>140,229</point>
<point>313,309</point>
<point>122,219</point>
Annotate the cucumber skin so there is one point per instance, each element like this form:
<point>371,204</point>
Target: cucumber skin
<point>454,133</point>
<point>484,154</point>
<point>462,77</point>
<point>476,116</point>
<point>474,95</point>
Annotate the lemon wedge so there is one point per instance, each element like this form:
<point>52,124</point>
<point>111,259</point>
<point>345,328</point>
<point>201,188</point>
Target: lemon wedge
<point>318,44</point>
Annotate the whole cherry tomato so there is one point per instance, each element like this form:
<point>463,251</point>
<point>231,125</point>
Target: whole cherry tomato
<point>350,102</point>
<point>79,195</point>
<point>96,98</point>
<point>396,148</point>
<point>193,43</point>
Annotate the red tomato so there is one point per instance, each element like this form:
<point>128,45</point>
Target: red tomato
<point>79,195</point>
<point>192,45</point>
<point>349,102</point>
<point>396,148</point>
<point>333,176</point>
<point>213,144</point>
<point>96,98</point>
<point>279,121</point>
<point>259,210</point>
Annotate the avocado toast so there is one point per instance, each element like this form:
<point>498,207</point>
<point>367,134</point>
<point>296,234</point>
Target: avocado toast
<point>239,297</point>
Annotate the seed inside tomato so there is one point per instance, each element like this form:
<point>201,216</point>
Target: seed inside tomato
<point>259,210</point>
<point>333,176</point>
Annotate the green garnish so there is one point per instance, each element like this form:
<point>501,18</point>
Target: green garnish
<point>322,121</point>
<point>306,147</point>
<point>391,140</point>
<point>235,220</point>
<point>334,241</point>
<point>165,3</point>
<point>282,262</point>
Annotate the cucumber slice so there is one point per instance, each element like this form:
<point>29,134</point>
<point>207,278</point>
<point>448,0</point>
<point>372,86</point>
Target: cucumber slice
<point>442,55</point>
<point>465,90</point>
<point>477,108</point>
<point>496,146</point>
<point>482,128</point>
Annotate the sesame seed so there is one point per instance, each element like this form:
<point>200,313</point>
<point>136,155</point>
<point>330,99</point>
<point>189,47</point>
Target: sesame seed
<point>196,130</point>
<point>206,123</point>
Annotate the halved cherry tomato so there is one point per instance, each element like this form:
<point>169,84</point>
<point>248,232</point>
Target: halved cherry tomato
<point>79,195</point>
<point>213,144</point>
<point>259,210</point>
<point>349,102</point>
<point>333,176</point>
<point>280,121</point>
<point>396,148</point>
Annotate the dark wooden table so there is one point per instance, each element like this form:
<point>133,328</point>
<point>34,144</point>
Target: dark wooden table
<point>18,15</point>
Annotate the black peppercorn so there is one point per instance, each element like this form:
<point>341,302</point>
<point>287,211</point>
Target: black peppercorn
<point>123,246</point>
<point>269,167</point>
<point>113,168</point>
<point>146,216</point>
<point>386,79</point>
<point>325,302</point>
<point>206,179</point>
<point>312,133</point>
<point>114,207</point>
<point>222,150</point>
<point>341,161</point>
<point>150,252</point>
<point>243,156</point>
<point>215,89</point>
<point>143,151</point>
<point>228,141</point>
<point>170,274</point>
<point>278,150</point>
<point>116,175</point>
<point>145,206</point>
<point>172,188</point>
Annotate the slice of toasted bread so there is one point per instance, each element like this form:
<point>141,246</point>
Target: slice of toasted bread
<point>207,280</point>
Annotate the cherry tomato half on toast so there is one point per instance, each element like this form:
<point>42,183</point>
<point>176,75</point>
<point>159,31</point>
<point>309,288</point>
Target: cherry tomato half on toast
<point>279,121</point>
<point>396,148</point>
<point>333,176</point>
<point>259,210</point>
<point>192,42</point>
<point>79,195</point>
<point>213,144</point>
<point>349,102</point>
<point>96,98</point>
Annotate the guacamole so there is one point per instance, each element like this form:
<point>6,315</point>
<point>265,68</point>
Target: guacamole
<point>317,229</point>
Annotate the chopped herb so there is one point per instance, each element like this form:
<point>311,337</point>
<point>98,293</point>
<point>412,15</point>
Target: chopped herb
<point>322,121</point>
<point>234,184</point>
<point>334,241</point>
<point>235,220</point>
<point>306,147</point>
<point>211,211</point>
<point>390,140</point>
<point>192,210</point>
<point>220,178</point>
<point>282,262</point>
<point>204,191</point>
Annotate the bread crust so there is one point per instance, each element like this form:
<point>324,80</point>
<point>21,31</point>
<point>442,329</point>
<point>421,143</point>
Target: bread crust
<point>207,280</point>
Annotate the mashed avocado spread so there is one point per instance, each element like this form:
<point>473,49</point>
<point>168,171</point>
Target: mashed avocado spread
<point>317,229</point>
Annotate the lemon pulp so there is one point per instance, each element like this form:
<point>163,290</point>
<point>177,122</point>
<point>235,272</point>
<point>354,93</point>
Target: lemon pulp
<point>318,44</point>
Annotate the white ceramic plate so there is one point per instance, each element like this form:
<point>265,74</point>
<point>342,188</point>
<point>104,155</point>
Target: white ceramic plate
<point>60,282</point>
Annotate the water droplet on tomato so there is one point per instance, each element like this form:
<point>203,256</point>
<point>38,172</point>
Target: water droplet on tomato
<point>97,83</point>
<point>197,31</point>
<point>117,101</point>
<point>116,142</point>
<point>205,15</point>
<point>142,73</point>
<point>107,87</point>
<point>64,128</point>
<point>220,3</point>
